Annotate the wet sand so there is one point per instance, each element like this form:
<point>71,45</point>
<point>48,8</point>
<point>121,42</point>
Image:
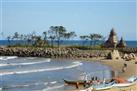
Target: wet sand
<point>117,65</point>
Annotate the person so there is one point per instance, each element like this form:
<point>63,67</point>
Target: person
<point>124,68</point>
<point>86,80</point>
<point>77,85</point>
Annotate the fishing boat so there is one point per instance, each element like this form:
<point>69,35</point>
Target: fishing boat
<point>87,89</point>
<point>103,86</point>
<point>131,81</point>
<point>78,82</point>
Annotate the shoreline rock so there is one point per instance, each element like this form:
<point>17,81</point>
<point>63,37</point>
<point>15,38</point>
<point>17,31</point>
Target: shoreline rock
<point>55,52</point>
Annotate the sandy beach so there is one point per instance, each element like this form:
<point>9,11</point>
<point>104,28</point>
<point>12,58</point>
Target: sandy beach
<point>116,65</point>
<point>131,71</point>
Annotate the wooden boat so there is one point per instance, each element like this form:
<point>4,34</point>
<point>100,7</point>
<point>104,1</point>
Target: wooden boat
<point>103,86</point>
<point>78,82</point>
<point>87,89</point>
<point>131,81</point>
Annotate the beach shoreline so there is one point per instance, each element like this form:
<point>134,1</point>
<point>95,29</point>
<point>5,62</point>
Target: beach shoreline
<point>81,55</point>
<point>116,65</point>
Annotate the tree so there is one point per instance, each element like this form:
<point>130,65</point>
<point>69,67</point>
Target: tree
<point>45,35</point>
<point>16,36</point>
<point>33,37</point>
<point>8,38</point>
<point>69,35</point>
<point>84,38</point>
<point>21,37</point>
<point>91,37</point>
<point>72,34</point>
<point>57,33</point>
<point>94,38</point>
<point>52,38</point>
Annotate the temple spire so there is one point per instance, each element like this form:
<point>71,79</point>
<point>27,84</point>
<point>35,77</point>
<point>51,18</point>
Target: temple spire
<point>112,40</point>
<point>121,43</point>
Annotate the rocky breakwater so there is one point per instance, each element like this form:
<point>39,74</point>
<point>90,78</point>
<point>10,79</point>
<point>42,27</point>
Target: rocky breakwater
<point>49,52</point>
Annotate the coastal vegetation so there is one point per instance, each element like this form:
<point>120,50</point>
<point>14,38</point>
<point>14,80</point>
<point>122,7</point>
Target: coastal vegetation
<point>50,44</point>
<point>53,37</point>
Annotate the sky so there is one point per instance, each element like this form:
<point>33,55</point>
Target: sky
<point>82,16</point>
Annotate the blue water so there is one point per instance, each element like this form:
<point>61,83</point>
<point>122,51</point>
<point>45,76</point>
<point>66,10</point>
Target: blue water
<point>25,74</point>
<point>65,42</point>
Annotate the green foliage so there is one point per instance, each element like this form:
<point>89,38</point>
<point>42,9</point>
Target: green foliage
<point>59,33</point>
<point>55,33</point>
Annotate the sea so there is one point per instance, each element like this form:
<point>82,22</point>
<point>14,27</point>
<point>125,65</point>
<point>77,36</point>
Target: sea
<point>130,44</point>
<point>45,74</point>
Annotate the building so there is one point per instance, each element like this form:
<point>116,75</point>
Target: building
<point>112,41</point>
<point>121,43</point>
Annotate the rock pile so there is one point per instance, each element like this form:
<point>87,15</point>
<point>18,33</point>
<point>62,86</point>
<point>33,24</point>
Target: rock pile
<point>50,52</point>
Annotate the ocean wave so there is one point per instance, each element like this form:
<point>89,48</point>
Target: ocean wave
<point>31,58</point>
<point>30,84</point>
<point>52,88</point>
<point>28,63</point>
<point>75,64</point>
<point>7,57</point>
<point>53,82</point>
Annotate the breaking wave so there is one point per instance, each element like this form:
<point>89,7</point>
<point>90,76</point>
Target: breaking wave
<point>75,64</point>
<point>52,88</point>
<point>28,63</point>
<point>7,57</point>
<point>30,84</point>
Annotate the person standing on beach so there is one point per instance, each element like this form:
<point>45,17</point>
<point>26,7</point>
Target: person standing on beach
<point>124,68</point>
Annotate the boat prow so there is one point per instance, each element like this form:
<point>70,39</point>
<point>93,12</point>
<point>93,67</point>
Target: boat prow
<point>87,89</point>
<point>131,81</point>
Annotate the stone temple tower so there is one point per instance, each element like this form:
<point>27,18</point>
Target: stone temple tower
<point>122,43</point>
<point>112,40</point>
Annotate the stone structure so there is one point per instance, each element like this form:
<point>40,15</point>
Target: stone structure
<point>121,43</point>
<point>112,40</point>
<point>114,55</point>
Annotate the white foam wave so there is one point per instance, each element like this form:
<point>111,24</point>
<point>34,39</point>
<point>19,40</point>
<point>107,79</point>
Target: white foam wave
<point>75,64</point>
<point>31,58</point>
<point>52,88</point>
<point>31,84</point>
<point>7,57</point>
<point>28,63</point>
<point>54,82</point>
